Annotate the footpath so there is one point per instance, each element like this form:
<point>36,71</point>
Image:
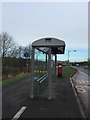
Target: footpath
<point>62,105</point>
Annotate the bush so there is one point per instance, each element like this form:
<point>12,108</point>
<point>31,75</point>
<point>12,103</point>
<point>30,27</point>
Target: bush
<point>13,66</point>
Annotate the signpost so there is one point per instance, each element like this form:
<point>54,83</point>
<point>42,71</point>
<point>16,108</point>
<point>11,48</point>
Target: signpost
<point>26,55</point>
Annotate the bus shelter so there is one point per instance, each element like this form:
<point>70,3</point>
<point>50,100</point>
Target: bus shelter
<point>48,46</point>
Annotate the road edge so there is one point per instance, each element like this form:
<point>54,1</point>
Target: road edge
<point>76,95</point>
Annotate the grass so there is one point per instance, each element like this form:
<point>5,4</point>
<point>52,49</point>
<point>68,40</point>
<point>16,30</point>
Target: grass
<point>13,80</point>
<point>68,71</point>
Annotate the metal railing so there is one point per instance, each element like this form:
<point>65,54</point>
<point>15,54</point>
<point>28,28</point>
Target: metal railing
<point>40,80</point>
<point>39,86</point>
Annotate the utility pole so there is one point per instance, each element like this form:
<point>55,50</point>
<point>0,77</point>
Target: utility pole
<point>68,54</point>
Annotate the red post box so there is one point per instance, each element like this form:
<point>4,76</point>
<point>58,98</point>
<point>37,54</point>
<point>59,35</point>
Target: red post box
<point>59,69</point>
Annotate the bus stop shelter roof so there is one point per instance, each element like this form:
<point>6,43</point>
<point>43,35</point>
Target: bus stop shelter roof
<point>57,46</point>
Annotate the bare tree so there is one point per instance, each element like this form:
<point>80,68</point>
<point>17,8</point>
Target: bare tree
<point>0,45</point>
<point>20,51</point>
<point>14,52</point>
<point>7,44</point>
<point>17,52</point>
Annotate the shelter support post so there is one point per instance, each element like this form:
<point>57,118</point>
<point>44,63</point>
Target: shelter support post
<point>49,74</point>
<point>55,65</point>
<point>46,61</point>
<point>32,73</point>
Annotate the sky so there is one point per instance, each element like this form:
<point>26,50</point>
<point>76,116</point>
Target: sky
<point>68,21</point>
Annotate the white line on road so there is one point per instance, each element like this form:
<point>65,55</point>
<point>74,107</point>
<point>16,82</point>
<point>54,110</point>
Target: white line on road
<point>82,82</point>
<point>78,101</point>
<point>18,114</point>
<point>80,89</point>
<point>83,73</point>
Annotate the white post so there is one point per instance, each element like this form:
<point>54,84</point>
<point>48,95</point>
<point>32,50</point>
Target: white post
<point>46,61</point>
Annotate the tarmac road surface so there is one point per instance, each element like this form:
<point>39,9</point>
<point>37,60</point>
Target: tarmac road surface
<point>82,85</point>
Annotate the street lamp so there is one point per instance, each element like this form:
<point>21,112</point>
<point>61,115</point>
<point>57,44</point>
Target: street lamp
<point>68,54</point>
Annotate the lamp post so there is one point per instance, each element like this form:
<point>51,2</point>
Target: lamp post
<point>68,54</point>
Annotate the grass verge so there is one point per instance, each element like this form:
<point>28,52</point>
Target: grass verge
<point>68,71</point>
<point>10,81</point>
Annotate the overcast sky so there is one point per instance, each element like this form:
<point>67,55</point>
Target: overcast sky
<point>29,21</point>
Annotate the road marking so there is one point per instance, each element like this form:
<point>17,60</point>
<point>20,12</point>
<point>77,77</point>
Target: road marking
<point>77,98</point>
<point>86,87</point>
<point>83,73</point>
<point>82,82</point>
<point>80,89</point>
<point>18,114</point>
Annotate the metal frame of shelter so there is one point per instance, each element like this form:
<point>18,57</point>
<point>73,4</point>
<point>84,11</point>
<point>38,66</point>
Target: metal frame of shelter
<point>48,46</point>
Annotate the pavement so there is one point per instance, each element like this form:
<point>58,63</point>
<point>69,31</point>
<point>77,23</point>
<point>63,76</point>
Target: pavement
<point>62,105</point>
<point>13,96</point>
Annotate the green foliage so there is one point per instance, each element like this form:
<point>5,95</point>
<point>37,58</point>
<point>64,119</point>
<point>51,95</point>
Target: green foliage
<point>14,79</point>
<point>13,66</point>
<point>68,71</point>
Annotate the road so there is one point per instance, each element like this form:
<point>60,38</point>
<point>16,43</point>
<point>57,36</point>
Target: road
<point>82,85</point>
<point>86,71</point>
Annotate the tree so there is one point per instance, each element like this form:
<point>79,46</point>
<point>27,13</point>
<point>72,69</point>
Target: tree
<point>21,51</point>
<point>0,45</point>
<point>7,44</point>
<point>14,53</point>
